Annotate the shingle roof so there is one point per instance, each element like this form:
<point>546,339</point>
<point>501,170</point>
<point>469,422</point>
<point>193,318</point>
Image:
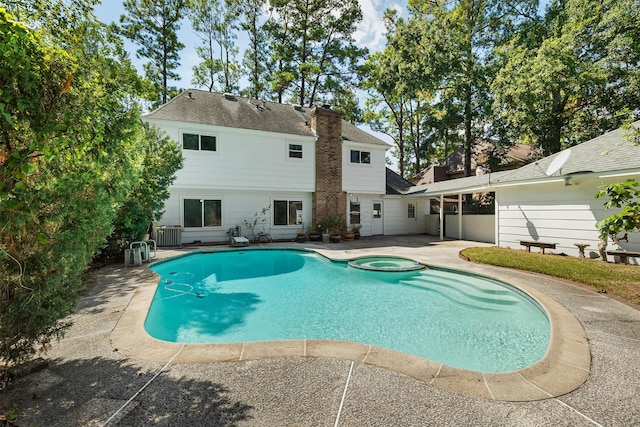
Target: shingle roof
<point>209,108</point>
<point>478,183</point>
<point>611,152</point>
<point>395,183</point>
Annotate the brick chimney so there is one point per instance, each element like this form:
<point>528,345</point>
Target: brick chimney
<point>328,199</point>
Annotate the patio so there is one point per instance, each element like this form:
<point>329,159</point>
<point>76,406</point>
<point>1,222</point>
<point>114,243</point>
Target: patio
<point>89,382</point>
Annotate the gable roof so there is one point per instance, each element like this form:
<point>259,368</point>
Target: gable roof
<point>216,109</point>
<point>396,184</point>
<point>612,152</point>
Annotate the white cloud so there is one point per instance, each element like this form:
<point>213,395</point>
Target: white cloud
<point>370,33</point>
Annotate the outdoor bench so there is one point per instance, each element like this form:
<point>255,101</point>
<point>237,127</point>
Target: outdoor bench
<point>624,255</point>
<point>540,245</point>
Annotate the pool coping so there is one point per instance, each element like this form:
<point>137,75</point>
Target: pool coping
<point>565,366</point>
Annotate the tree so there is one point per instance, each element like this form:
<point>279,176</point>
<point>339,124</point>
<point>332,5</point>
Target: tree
<point>314,49</point>
<point>385,108</point>
<point>256,58</point>
<point>60,18</point>
<point>214,21</point>
<point>161,158</point>
<point>624,196</point>
<point>571,75</point>
<point>153,25</point>
<point>71,146</point>
<point>453,55</point>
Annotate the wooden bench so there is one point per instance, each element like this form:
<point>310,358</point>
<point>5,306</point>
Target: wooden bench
<point>624,255</point>
<point>540,245</point>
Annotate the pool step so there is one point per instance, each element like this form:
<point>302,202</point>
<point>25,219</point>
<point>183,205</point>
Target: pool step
<point>480,284</point>
<point>464,294</point>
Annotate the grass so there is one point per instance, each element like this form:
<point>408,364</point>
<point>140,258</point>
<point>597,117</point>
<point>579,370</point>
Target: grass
<point>617,279</point>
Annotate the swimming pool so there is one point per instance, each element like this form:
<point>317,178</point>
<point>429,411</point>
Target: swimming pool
<point>459,319</point>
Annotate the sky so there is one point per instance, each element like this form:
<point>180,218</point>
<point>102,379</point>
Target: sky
<point>369,33</point>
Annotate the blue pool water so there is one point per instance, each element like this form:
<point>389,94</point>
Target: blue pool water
<point>459,319</point>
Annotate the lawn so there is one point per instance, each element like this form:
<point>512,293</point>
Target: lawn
<point>617,279</point>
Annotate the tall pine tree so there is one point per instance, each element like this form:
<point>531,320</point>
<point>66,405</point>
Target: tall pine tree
<point>153,25</point>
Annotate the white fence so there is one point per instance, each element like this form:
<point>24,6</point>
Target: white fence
<point>475,228</point>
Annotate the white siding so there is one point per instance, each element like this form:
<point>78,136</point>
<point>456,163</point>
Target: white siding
<point>364,177</point>
<point>396,219</point>
<point>554,213</point>
<point>237,206</point>
<point>366,211</point>
<point>244,159</point>
<point>250,169</point>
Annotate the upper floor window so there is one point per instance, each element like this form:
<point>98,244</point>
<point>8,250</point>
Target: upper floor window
<point>287,212</point>
<point>360,156</point>
<point>202,213</point>
<point>194,141</point>
<point>295,151</point>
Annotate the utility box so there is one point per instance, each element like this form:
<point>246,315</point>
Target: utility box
<point>133,256</point>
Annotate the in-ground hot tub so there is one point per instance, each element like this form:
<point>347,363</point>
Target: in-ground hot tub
<point>385,263</point>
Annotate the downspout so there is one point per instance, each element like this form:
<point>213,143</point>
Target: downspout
<point>459,216</point>
<point>442,217</point>
<point>496,210</point>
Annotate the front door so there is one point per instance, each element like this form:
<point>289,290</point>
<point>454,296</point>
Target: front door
<point>377,227</point>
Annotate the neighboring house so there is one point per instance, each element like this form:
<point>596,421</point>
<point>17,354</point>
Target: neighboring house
<point>484,155</point>
<point>550,200</point>
<point>244,155</point>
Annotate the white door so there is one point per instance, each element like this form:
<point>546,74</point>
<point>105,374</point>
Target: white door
<point>412,217</point>
<point>377,226</point>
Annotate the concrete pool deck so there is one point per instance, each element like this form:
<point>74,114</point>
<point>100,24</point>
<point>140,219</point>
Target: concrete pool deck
<point>106,370</point>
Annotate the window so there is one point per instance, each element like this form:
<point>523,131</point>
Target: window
<point>192,141</point>
<point>287,212</point>
<point>360,156</point>
<point>295,151</point>
<point>202,213</point>
<point>377,210</point>
<point>411,211</point>
<point>354,212</point>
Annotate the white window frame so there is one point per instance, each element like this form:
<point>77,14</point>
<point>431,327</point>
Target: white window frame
<point>200,135</point>
<point>299,217</point>
<point>360,157</point>
<point>353,213</point>
<point>290,150</point>
<point>202,199</point>
<point>411,210</point>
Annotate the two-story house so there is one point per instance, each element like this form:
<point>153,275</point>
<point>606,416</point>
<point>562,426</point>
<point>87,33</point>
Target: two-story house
<point>244,155</point>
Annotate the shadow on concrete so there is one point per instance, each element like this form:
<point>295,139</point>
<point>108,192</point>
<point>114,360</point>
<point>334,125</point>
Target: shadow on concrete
<point>110,285</point>
<point>96,389</point>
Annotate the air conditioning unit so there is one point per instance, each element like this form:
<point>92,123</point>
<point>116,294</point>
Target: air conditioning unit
<point>168,236</point>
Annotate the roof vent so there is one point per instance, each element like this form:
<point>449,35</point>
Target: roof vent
<point>191,95</point>
<point>230,96</point>
<point>327,106</point>
<point>297,107</point>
